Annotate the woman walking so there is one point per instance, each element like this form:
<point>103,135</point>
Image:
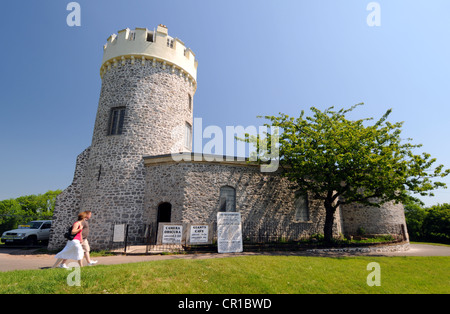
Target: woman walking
<point>73,249</point>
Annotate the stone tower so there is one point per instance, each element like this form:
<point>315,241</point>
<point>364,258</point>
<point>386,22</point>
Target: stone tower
<point>145,109</point>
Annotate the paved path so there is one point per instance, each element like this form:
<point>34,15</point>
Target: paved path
<point>13,259</point>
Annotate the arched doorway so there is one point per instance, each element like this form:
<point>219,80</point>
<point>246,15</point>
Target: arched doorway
<point>164,212</point>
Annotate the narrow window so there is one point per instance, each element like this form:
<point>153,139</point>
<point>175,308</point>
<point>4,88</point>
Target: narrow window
<point>170,42</point>
<point>150,37</point>
<point>190,102</point>
<point>301,208</point>
<point>227,201</point>
<point>116,120</point>
<point>188,136</point>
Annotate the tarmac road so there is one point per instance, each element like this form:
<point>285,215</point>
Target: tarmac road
<point>18,259</point>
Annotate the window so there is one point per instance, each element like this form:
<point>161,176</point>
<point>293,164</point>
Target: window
<point>190,101</point>
<point>150,37</point>
<point>301,208</point>
<point>188,136</point>
<point>227,201</point>
<point>116,119</point>
<point>132,35</point>
<point>170,42</point>
<point>46,225</point>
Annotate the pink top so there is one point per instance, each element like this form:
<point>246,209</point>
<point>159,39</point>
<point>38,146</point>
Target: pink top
<point>78,235</point>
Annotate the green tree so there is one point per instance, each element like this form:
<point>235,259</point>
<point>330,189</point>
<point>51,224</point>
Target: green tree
<point>415,215</point>
<point>436,224</point>
<point>25,208</point>
<point>11,214</point>
<point>341,161</point>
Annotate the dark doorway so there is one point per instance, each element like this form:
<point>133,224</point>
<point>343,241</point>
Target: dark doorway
<point>164,212</point>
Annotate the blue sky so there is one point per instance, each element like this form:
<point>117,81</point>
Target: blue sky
<point>255,58</point>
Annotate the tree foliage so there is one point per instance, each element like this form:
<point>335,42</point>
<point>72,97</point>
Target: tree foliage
<point>25,208</point>
<point>428,223</point>
<point>342,161</point>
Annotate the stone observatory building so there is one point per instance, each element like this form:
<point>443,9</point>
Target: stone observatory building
<point>129,174</point>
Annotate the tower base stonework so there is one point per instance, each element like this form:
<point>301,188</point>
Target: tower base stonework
<point>68,204</point>
<point>387,219</point>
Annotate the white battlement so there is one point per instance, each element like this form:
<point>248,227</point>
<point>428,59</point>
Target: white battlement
<point>141,45</point>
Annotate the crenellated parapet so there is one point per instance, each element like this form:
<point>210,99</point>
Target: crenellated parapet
<point>149,48</point>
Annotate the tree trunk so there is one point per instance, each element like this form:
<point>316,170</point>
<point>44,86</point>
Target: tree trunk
<point>329,221</point>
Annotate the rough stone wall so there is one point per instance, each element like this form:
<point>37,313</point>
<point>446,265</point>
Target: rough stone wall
<point>193,189</point>
<point>157,109</point>
<point>67,205</point>
<point>384,220</point>
<point>165,183</point>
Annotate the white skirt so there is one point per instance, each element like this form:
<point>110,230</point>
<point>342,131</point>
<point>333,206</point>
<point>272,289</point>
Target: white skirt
<point>72,250</point>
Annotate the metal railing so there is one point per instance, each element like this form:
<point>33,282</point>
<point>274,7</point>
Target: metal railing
<point>143,238</point>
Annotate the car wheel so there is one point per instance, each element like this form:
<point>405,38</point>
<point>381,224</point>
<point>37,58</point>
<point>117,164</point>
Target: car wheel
<point>31,240</point>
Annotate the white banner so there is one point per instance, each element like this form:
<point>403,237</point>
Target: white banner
<point>229,232</point>
<point>172,234</point>
<point>199,234</point>
<point>119,233</point>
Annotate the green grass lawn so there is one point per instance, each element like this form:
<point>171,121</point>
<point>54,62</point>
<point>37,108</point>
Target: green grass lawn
<point>250,274</point>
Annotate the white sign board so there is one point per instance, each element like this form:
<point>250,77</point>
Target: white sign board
<point>199,234</point>
<point>119,233</point>
<point>229,232</point>
<point>172,234</point>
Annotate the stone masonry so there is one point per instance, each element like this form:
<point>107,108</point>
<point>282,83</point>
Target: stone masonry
<point>193,189</point>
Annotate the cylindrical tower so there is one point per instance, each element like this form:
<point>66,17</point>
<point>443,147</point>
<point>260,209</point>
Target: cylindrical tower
<point>145,109</point>
<point>389,218</point>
